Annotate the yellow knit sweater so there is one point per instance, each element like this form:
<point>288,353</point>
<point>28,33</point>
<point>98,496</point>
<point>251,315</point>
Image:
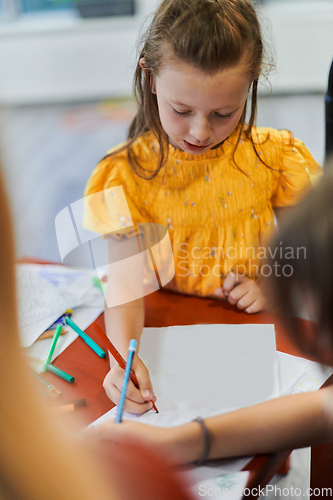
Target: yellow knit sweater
<point>217,208</point>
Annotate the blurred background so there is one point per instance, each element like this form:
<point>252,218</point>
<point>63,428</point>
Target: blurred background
<point>66,84</point>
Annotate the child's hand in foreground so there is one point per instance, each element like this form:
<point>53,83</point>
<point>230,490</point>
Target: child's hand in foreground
<point>162,438</point>
<point>243,292</point>
<point>137,400</point>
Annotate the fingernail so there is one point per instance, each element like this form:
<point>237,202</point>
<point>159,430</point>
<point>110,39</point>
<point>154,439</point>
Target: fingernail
<point>147,394</point>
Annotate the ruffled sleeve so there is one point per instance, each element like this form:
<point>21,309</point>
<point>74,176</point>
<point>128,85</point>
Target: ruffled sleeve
<point>108,206</point>
<point>298,171</point>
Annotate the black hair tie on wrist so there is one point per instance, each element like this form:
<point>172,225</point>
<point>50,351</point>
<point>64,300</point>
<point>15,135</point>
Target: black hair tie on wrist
<point>206,436</point>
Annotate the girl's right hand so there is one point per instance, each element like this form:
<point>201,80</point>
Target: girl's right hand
<point>137,400</point>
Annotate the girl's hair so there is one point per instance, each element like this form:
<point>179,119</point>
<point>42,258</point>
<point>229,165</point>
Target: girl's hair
<point>303,278</point>
<point>209,34</point>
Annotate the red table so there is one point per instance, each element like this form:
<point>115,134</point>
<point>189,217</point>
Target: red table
<point>165,308</point>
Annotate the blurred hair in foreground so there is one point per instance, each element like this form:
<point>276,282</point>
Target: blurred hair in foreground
<point>309,288</point>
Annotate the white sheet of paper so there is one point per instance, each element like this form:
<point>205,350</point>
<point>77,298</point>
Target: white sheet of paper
<point>292,371</point>
<point>301,375</point>
<point>207,369</point>
<point>225,485</point>
<point>76,281</point>
<point>40,302</point>
<point>290,368</point>
<point>295,374</point>
<point>195,476</point>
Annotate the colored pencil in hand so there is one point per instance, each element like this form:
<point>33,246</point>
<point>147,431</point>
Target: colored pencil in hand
<point>117,356</point>
<point>131,351</point>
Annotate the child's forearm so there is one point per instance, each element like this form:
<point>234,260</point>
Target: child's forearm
<point>284,423</point>
<point>124,323</point>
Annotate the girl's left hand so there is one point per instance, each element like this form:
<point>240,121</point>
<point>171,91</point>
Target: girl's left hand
<point>243,292</point>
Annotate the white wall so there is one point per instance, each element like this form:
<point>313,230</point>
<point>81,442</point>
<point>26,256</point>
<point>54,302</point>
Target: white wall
<point>66,59</point>
<point>71,64</point>
<point>302,34</point>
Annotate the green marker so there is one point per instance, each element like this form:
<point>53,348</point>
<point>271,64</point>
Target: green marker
<point>100,284</point>
<point>55,337</point>
<point>60,373</point>
<point>90,342</point>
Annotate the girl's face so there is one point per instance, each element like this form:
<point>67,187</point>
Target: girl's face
<point>199,110</point>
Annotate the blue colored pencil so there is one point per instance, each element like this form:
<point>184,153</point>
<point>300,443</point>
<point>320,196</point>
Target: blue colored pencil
<point>131,351</point>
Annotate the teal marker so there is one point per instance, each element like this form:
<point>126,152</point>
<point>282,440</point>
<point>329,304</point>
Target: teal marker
<point>60,373</point>
<point>90,342</point>
<point>49,355</point>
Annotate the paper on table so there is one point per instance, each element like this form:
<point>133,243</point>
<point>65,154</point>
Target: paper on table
<point>82,316</point>
<point>301,375</point>
<point>292,372</point>
<point>225,485</point>
<point>40,302</point>
<point>290,368</point>
<point>196,476</point>
<point>207,369</point>
<point>76,281</point>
